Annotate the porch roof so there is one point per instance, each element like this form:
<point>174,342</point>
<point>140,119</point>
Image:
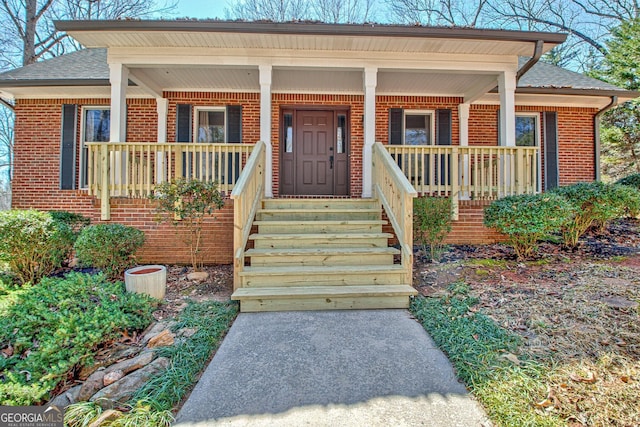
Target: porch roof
<point>305,36</point>
<point>88,67</point>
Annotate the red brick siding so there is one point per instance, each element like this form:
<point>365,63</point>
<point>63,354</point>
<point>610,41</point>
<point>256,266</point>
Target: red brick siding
<point>37,150</point>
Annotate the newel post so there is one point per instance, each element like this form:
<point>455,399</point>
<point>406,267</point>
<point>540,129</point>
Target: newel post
<point>455,182</point>
<point>105,207</point>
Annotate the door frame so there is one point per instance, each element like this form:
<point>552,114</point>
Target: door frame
<point>293,110</point>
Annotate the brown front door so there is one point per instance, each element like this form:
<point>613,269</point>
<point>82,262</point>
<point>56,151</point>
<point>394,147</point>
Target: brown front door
<point>313,160</point>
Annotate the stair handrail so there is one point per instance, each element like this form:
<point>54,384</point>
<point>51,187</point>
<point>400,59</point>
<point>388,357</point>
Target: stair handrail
<point>246,196</point>
<point>396,195</point>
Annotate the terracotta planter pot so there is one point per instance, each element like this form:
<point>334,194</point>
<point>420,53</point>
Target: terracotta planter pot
<point>147,279</point>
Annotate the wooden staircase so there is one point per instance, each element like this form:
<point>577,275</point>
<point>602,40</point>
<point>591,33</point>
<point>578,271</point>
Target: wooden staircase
<point>321,254</point>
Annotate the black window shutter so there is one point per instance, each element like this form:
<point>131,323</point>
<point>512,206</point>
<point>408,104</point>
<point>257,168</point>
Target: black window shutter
<point>234,136</point>
<point>68,147</point>
<point>183,123</point>
<point>443,125</point>
<point>234,124</point>
<point>551,167</point>
<point>395,126</point>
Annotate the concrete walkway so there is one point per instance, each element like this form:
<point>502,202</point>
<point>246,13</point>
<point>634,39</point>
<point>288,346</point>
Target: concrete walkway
<point>329,368</point>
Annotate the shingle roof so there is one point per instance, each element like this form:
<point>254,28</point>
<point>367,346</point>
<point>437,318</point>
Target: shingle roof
<point>543,75</point>
<point>88,67</point>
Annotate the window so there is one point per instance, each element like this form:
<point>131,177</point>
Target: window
<point>526,130</point>
<point>96,124</point>
<point>210,125</point>
<point>418,128</point>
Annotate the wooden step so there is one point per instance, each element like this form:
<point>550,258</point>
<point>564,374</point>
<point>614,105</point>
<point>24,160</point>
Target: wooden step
<point>320,203</point>
<point>321,256</point>
<point>301,214</point>
<point>323,297</point>
<point>314,240</point>
<point>322,276</point>
<point>357,226</point>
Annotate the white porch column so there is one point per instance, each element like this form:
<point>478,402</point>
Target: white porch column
<point>119,79</point>
<point>162,108</point>
<point>265,126</point>
<point>463,119</point>
<point>370,83</point>
<point>507,89</point>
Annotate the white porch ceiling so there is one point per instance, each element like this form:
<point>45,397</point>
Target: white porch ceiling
<point>316,80</point>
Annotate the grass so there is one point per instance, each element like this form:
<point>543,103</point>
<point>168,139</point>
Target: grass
<point>508,387</point>
<point>153,404</point>
<point>486,262</point>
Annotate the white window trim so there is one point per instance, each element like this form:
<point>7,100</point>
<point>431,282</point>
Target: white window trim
<point>432,131</point>
<point>196,114</point>
<point>83,160</point>
<point>536,115</point>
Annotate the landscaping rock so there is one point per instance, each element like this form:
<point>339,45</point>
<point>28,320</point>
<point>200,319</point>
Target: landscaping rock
<point>186,332</point>
<point>122,352</point>
<point>122,390</point>
<point>91,385</point>
<point>108,415</point>
<point>198,276</point>
<point>67,398</point>
<point>154,330</point>
<point>112,377</point>
<point>129,365</point>
<point>162,339</point>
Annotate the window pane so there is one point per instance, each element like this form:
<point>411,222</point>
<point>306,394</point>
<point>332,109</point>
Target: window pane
<point>288,132</point>
<point>341,134</point>
<point>96,127</point>
<point>417,129</point>
<point>211,126</point>
<point>525,131</point>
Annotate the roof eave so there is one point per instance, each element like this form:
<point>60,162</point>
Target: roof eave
<point>309,28</point>
<point>578,92</point>
<point>53,82</point>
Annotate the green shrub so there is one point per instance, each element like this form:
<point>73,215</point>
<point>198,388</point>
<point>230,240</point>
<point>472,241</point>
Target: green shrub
<point>633,195</point>
<point>632,180</point>
<point>109,247</point>
<point>75,221</point>
<point>594,203</point>
<point>184,203</point>
<point>527,218</point>
<point>33,244</point>
<point>432,223</point>
<point>57,326</point>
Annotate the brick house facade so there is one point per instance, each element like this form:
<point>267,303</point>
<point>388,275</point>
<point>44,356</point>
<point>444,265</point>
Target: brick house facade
<point>39,123</point>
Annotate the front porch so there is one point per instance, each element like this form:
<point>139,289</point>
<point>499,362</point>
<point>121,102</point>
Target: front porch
<point>318,253</point>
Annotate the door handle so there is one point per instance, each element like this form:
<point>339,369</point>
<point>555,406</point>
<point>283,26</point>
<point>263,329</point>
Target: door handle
<point>330,162</point>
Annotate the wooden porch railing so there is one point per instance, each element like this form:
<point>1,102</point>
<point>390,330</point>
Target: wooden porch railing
<point>246,196</point>
<point>472,172</point>
<point>396,195</point>
<point>133,169</point>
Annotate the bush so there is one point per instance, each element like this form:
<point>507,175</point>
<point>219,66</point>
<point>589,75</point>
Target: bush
<point>432,223</point>
<point>594,204</point>
<point>109,247</point>
<point>185,203</point>
<point>75,221</point>
<point>33,244</point>
<point>633,195</point>
<point>632,180</point>
<point>527,218</point>
<point>56,327</point>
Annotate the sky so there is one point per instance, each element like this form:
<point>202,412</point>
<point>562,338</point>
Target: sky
<point>202,8</point>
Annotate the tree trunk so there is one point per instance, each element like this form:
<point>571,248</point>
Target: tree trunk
<point>29,54</point>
